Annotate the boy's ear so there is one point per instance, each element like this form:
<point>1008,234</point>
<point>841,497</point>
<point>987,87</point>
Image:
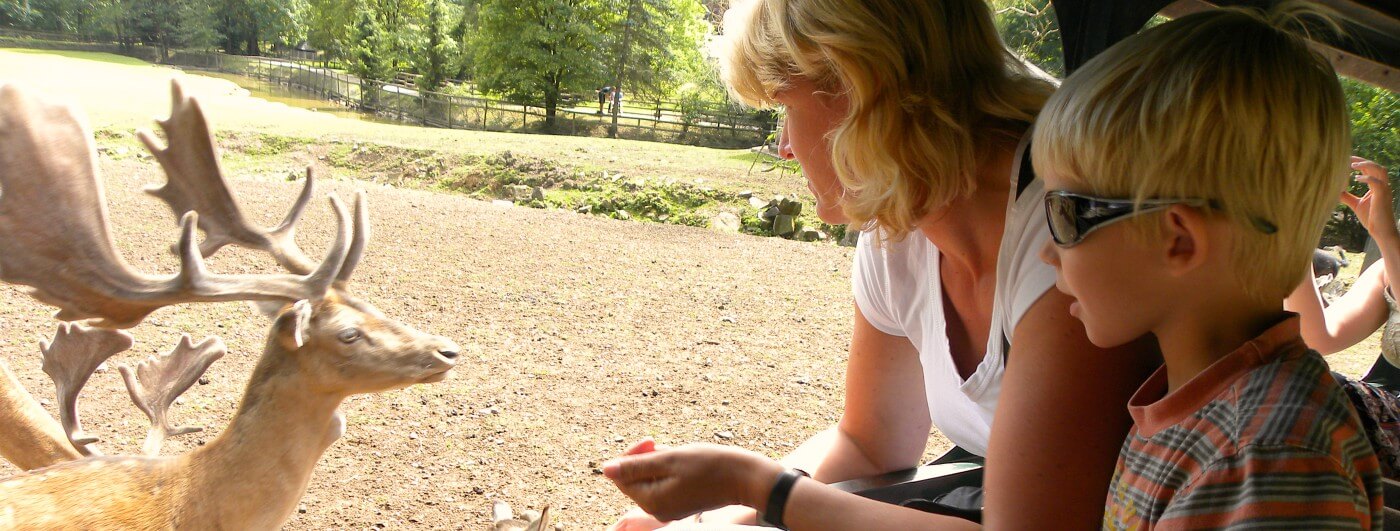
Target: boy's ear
<point>1187,236</point>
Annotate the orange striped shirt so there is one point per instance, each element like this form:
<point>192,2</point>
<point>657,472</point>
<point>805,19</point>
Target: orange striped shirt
<point>1263,438</point>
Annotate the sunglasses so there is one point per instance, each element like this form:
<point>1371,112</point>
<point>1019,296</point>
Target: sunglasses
<point>1073,216</point>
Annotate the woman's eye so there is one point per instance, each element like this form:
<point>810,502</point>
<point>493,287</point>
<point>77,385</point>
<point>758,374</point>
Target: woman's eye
<point>349,335</point>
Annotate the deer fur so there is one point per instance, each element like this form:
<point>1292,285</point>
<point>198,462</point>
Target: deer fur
<point>252,475</point>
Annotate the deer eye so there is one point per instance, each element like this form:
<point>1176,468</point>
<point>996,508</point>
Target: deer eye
<point>348,335</point>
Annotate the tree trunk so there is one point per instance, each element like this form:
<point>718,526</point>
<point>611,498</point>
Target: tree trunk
<point>622,64</point>
<point>551,106</point>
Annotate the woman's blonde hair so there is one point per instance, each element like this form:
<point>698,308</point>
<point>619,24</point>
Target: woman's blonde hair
<point>930,86</point>
<point>1224,105</point>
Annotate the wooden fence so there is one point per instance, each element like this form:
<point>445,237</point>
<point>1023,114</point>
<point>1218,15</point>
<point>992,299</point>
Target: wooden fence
<point>435,109</point>
<point>713,127</point>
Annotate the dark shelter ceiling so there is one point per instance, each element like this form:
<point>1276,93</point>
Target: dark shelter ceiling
<point>1370,52</point>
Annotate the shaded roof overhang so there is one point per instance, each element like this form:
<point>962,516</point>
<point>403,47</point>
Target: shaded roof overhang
<point>1370,53</point>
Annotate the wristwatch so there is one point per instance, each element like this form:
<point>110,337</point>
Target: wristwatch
<point>772,514</point>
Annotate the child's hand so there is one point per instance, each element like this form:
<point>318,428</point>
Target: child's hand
<point>675,483</point>
<point>1375,209</point>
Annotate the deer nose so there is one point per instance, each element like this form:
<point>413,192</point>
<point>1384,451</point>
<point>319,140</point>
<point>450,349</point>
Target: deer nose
<point>449,350</point>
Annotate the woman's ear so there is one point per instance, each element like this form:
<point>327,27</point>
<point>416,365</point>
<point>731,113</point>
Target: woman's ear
<point>1187,238</point>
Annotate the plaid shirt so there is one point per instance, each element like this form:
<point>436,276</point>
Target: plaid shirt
<point>1263,438</point>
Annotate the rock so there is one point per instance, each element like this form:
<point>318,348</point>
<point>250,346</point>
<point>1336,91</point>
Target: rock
<point>746,194</point>
<point>768,213</point>
<point>789,207</point>
<point>757,203</point>
<point>517,192</point>
<point>808,234</point>
<point>851,238</point>
<point>725,435</point>
<point>623,215</point>
<point>203,380</point>
<point>784,225</point>
<point>725,222</point>
<point>537,194</point>
<point>585,209</point>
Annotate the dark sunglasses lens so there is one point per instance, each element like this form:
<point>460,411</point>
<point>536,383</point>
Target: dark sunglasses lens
<point>1063,216</point>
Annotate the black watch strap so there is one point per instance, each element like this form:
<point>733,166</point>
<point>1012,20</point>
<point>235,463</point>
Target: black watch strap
<point>778,497</point>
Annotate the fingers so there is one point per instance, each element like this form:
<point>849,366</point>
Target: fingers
<point>631,469</point>
<point>644,446</point>
<point>1367,167</point>
<point>1350,200</point>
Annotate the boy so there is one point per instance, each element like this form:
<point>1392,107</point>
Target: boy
<point>1220,142</point>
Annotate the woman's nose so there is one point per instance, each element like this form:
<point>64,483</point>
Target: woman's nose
<point>784,146</point>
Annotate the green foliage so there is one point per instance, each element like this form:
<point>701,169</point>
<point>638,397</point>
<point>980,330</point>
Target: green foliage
<point>366,55</point>
<point>1029,27</point>
<point>330,26</point>
<point>535,51</point>
<point>436,56</point>
<point>656,45</point>
<point>1375,135</point>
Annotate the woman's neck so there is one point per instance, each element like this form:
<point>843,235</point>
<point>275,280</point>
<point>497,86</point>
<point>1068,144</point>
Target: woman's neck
<point>968,231</point>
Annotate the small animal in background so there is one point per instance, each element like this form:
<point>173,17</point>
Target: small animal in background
<point>503,519</point>
<point>1326,269</point>
<point>1328,265</point>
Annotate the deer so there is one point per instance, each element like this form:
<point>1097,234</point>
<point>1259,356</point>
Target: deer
<point>323,346</point>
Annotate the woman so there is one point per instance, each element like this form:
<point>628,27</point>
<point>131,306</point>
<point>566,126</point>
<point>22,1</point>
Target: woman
<point>911,119</point>
<point>1369,304</point>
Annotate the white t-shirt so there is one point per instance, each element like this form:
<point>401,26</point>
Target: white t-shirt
<point>898,290</point>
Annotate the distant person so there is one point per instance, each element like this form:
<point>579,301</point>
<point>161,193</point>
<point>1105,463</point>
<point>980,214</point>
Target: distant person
<point>604,94</point>
<point>1370,303</point>
<point>617,101</point>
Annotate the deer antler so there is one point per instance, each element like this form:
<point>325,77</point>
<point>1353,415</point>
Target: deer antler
<point>156,382</point>
<point>54,236</point>
<point>70,359</point>
<point>195,182</point>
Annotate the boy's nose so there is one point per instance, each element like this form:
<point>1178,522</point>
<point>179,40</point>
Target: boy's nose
<point>1050,254</point>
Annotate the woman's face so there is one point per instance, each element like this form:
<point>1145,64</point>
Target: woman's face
<point>811,117</point>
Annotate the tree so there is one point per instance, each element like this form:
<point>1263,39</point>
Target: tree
<point>330,25</point>
<point>366,59</point>
<point>535,51</point>
<point>660,41</point>
<point>466,25</point>
<point>438,51</point>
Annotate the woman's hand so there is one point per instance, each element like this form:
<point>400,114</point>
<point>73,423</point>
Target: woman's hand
<point>675,483</point>
<point>1375,209</point>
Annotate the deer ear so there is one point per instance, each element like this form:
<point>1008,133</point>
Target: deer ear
<point>296,322</point>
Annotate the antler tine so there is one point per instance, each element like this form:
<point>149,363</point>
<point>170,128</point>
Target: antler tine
<point>357,246</point>
<point>54,236</point>
<point>156,382</point>
<point>70,359</point>
<point>194,181</point>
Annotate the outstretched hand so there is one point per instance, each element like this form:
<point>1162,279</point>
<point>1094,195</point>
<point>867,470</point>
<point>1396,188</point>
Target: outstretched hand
<point>1375,209</point>
<point>672,483</point>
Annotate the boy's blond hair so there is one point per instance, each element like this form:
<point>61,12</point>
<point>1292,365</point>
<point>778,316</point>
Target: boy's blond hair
<point>1223,105</point>
<point>930,86</point>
